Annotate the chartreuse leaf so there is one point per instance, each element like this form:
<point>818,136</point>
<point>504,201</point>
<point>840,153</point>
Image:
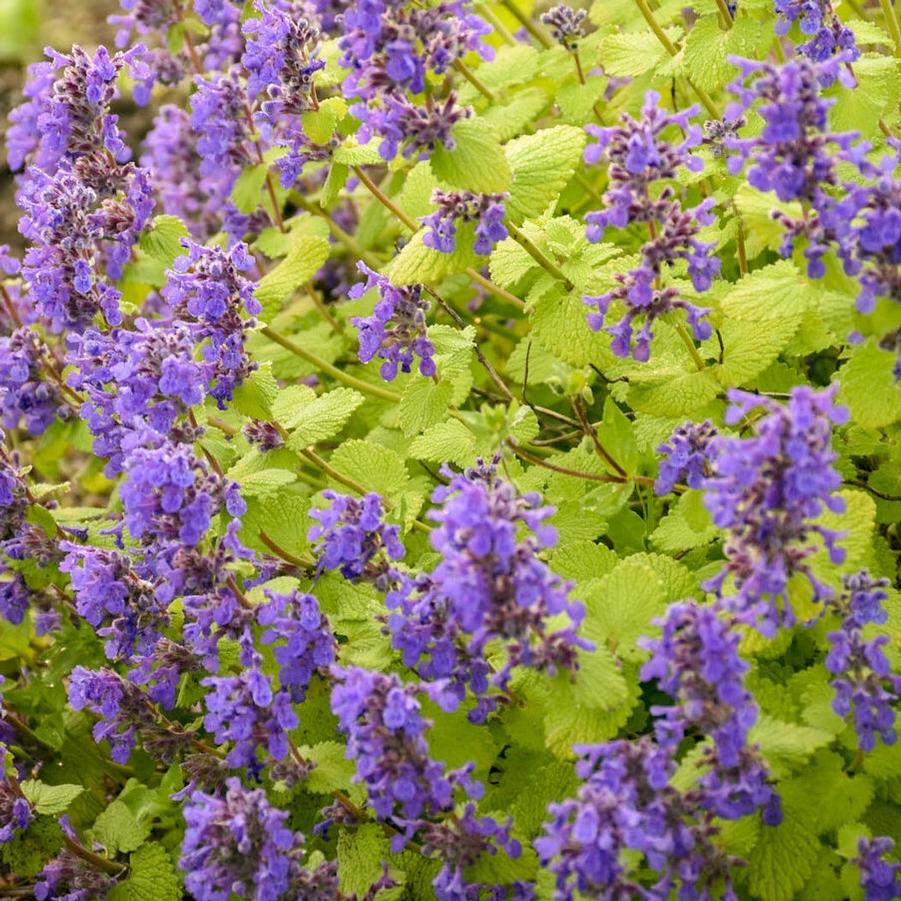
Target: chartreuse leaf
<point>350,153</point>
<point>542,164</point>
<point>162,241</point>
<point>775,292</point>
<point>417,263</point>
<point>26,853</point>
<point>449,441</point>
<point>868,388</point>
<point>673,391</point>
<point>877,93</point>
<point>360,855</point>
<point>786,746</point>
<point>687,525</point>
<point>631,54</point>
<point>151,877</point>
<point>378,468</point>
<point>255,395</point>
<point>319,124</point>
<point>708,47</point>
<point>749,349</point>
<point>307,254</point>
<point>118,828</point>
<point>476,162</point>
<point>332,770</point>
<point>50,799</point>
<point>323,418</point>
<point>782,860</point>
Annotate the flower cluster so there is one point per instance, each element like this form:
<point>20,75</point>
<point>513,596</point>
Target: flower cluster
<point>637,156</point>
<point>490,585</point>
<point>453,207</point>
<point>818,20</point>
<point>396,332</point>
<point>625,804</point>
<point>865,683</point>
<point>15,811</point>
<point>686,455</point>
<point>765,492</point>
<point>567,25</point>
<point>879,878</point>
<point>697,663</point>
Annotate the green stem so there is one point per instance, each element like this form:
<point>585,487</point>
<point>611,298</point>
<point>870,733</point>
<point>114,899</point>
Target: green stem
<point>474,80</point>
<point>527,23</point>
<point>725,12</point>
<point>328,368</point>
<point>503,32</point>
<point>326,467</point>
<point>670,48</point>
<point>540,257</point>
<point>891,21</point>
<point>689,343</point>
<point>95,860</point>
<point>287,556</point>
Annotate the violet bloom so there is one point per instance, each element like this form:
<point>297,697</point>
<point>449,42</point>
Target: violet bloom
<point>385,730</point>
<point>238,843</point>
<point>697,663</point>
<point>819,21</point>
<point>26,391</point>
<point>67,877</point>
<point>490,585</point>
<point>686,455</point>
<point>245,710</point>
<point>139,384</point>
<point>764,492</point>
<point>353,538</point>
<point>206,288</point>
<point>396,331</point>
<point>485,210</point>
<point>865,682</point>
<point>13,494</point>
<point>567,25</point>
<point>303,639</point>
<point>638,156</point>
<point>880,878</point>
<point>626,805</point>
<point>169,495</point>
<point>126,713</point>
<point>109,593</point>
<point>15,811</point>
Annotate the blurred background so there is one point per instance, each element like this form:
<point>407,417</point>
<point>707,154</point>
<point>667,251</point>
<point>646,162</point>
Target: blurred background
<point>26,27</point>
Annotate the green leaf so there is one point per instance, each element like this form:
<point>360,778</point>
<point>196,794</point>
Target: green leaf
<point>417,263</point>
<point>631,54</point>
<point>254,396</point>
<point>673,391</point>
<point>334,182</point>
<point>749,349</point>
<point>761,230</point>
<point>350,153</point>
<point>868,387</point>
<point>50,799</point>
<point>782,860</point>
<point>582,560</point>
<point>264,482</point>
<point>444,442</point>
<point>320,124</point>
<point>151,877</point>
<point>552,782</point>
<point>617,435</point>
<point>620,608</point>
<point>248,187</point>
<point>775,292</point>
<point>875,96</point>
<point>559,325</point>
<point>323,418</point>
<point>376,467</point>
<point>509,120</point>
<point>542,165</point>
<point>26,853</point>
<point>333,771</point>
<point>360,855</point>
<point>786,746</point>
<point>708,47</point>
<point>118,829</point>
<point>299,266</point>
<point>687,525</point>
<point>477,160</point>
<point>162,241</point>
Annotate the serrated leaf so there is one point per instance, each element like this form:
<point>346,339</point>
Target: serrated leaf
<point>320,124</point>
<point>298,267</point>
<point>255,395</point>
<point>775,292</point>
<point>786,745</point>
<point>248,187</point>
<point>674,393</point>
<point>509,120</point>
<point>162,241</point>
<point>332,769</point>
<point>687,525</point>
<point>749,349</point>
<point>782,860</point>
<point>360,855</point>
<point>417,263</point>
<point>445,442</point>
<point>323,418</point>
<point>118,829</point>
<point>50,799</point>
<point>151,877</point>
<point>542,164</point>
<point>708,47</point>
<point>476,162</point>
<point>635,53</point>
<point>350,153</point>
<point>378,468</point>
<point>264,482</point>
<point>559,325</point>
<point>867,386</point>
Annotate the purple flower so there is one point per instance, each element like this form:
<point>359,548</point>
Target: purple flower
<point>625,804</point>
<point>865,682</point>
<point>351,537</point>
<point>206,287</point>
<point>486,210</point>
<point>818,19</point>
<point>238,843</point>
<point>15,811</point>
<point>567,25</point>
<point>396,331</point>
<point>637,157</point>
<point>302,636</point>
<point>168,495</point>
<point>880,878</point>
<point>764,492</point>
<point>70,878</point>
<point>697,663</point>
<point>686,455</point>
<point>490,585</point>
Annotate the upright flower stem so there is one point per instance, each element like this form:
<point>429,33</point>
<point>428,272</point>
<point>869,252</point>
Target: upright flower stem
<point>539,256</point>
<point>891,21</point>
<point>527,23</point>
<point>474,80</point>
<point>333,371</point>
<point>670,48</point>
<point>327,468</point>
<point>725,12</point>
<point>689,343</point>
<point>392,207</point>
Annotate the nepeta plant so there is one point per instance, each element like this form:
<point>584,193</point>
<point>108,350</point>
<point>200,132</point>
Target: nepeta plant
<point>451,452</point>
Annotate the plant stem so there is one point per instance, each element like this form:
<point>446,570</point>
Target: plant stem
<point>563,470</point>
<point>527,23</point>
<point>725,12</point>
<point>589,430</point>
<point>95,860</point>
<point>668,45</point>
<point>326,467</point>
<point>474,80</point>
<point>328,368</point>
<point>891,22</point>
<point>287,556</point>
<point>689,343</point>
<point>539,256</point>
<point>503,32</point>
<point>494,289</point>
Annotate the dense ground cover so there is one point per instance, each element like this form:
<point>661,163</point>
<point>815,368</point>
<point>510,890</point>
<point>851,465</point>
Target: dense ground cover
<point>453,454</point>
